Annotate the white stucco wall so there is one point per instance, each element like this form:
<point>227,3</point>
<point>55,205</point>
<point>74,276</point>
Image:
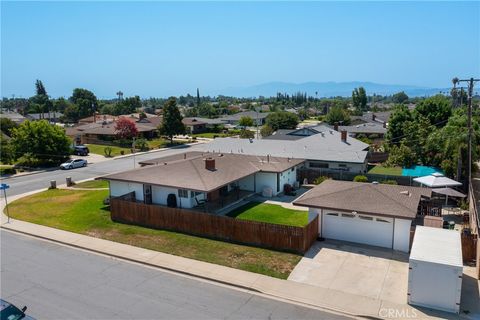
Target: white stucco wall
<point>120,188</point>
<point>401,238</point>
<point>160,194</point>
<point>266,179</point>
<point>288,177</point>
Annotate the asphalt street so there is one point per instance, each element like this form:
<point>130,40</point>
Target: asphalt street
<point>59,282</point>
<point>22,184</point>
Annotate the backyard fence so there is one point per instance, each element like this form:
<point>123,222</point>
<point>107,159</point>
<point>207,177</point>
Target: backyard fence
<point>474,219</point>
<point>268,235</point>
<point>312,174</point>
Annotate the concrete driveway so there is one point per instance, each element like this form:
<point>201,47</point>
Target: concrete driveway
<point>356,269</point>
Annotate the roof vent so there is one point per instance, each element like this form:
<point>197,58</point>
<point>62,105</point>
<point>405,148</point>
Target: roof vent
<point>406,192</point>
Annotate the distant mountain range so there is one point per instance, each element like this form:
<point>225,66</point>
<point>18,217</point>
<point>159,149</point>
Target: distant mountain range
<point>327,89</point>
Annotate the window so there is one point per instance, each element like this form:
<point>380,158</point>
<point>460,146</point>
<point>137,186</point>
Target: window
<point>365,218</point>
<point>318,165</point>
<point>292,169</point>
<point>342,165</point>
<point>182,193</point>
<point>348,215</point>
<point>332,214</point>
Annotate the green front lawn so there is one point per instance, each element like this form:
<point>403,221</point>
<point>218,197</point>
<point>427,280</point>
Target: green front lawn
<point>100,149</point>
<point>82,211</point>
<point>391,171</point>
<point>92,184</point>
<point>271,213</point>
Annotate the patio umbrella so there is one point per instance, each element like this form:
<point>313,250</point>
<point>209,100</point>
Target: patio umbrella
<point>449,192</point>
<point>436,180</point>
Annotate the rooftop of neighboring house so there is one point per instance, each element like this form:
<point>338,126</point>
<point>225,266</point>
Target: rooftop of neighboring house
<point>203,172</point>
<point>45,115</point>
<point>366,128</point>
<point>326,145</point>
<point>12,115</point>
<point>251,114</point>
<point>198,120</point>
<point>368,198</point>
<point>380,117</point>
<point>105,128</point>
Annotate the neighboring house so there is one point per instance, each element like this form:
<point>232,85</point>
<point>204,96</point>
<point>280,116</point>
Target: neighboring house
<point>97,118</point>
<point>369,213</point>
<point>196,178</point>
<point>12,115</point>
<point>50,116</point>
<point>104,130</point>
<point>368,129</point>
<point>234,119</point>
<point>382,117</point>
<point>197,124</point>
<point>321,146</point>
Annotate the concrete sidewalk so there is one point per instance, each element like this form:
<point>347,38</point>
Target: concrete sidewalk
<point>301,293</point>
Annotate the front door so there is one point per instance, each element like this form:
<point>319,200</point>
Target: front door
<point>147,193</point>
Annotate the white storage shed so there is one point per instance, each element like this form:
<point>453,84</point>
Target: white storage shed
<point>436,269</point>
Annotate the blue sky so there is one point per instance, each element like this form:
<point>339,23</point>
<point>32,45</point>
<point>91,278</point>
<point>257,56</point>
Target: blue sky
<point>163,48</point>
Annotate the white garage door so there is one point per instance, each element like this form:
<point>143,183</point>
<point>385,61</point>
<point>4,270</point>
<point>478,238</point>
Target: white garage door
<point>359,228</point>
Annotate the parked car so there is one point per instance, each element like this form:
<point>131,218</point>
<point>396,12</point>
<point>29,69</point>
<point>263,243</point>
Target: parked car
<point>75,163</point>
<point>81,150</point>
<point>9,312</point>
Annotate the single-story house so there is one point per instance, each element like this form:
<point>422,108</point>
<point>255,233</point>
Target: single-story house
<point>104,130</point>
<point>198,178</point>
<point>368,213</point>
<point>368,129</point>
<point>12,115</point>
<point>50,116</point>
<point>322,147</point>
<point>194,125</point>
<point>257,117</point>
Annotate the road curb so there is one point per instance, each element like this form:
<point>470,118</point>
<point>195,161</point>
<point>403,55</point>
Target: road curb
<point>185,145</point>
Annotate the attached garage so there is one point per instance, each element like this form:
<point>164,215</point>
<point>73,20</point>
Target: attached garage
<point>360,228</point>
<point>369,213</point>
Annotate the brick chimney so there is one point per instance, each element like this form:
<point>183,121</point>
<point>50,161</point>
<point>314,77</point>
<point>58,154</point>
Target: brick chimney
<point>210,164</point>
<point>344,135</point>
<point>335,126</point>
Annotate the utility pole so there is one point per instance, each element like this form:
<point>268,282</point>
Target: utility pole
<point>471,83</point>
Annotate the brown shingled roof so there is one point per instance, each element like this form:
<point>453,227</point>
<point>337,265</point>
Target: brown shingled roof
<point>190,173</point>
<point>369,198</point>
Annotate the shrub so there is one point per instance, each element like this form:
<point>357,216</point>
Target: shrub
<point>320,179</point>
<point>389,182</point>
<point>108,151</point>
<point>247,134</point>
<point>360,178</point>
<point>4,171</point>
<point>29,160</point>
<point>141,144</point>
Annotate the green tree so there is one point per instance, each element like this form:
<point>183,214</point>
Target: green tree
<point>396,126</point>
<point>359,99</point>
<point>266,131</point>
<point>7,125</point>
<point>337,114</point>
<point>400,97</point>
<point>172,120</point>
<point>246,122</point>
<point>85,101</point>
<point>436,109</point>
<point>41,102</point>
<point>6,152</point>
<point>45,142</point>
<point>400,155</point>
<point>282,120</point>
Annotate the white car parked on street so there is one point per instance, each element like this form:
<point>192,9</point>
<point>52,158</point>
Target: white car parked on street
<point>75,163</point>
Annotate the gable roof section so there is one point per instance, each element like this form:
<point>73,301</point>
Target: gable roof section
<point>191,174</point>
<point>369,198</point>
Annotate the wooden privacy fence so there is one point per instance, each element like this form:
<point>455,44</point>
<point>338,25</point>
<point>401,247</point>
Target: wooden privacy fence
<point>268,235</point>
